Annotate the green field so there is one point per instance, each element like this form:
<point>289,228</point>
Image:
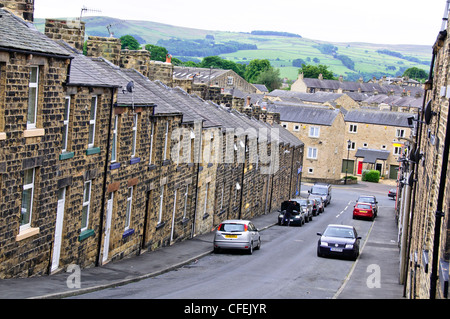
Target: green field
<point>279,50</point>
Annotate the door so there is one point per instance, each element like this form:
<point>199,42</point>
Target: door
<point>109,210</point>
<point>360,167</point>
<point>58,229</point>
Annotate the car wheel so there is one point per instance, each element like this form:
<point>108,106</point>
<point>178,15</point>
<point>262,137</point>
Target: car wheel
<point>250,249</point>
<point>258,247</point>
<point>216,250</point>
<point>318,253</point>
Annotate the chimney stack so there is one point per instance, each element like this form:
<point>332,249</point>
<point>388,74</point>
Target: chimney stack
<point>21,8</point>
<point>70,31</point>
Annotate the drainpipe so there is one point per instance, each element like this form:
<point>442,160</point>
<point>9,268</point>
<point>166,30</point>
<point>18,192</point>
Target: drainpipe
<point>439,214</point>
<point>197,158</point>
<point>102,212</point>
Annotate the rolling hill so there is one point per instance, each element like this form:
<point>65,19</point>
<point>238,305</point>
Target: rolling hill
<point>367,59</point>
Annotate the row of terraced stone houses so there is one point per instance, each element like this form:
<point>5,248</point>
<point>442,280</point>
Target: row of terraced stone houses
<point>99,162</point>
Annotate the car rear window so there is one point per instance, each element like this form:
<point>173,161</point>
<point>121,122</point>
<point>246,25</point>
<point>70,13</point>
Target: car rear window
<point>363,206</point>
<point>232,227</point>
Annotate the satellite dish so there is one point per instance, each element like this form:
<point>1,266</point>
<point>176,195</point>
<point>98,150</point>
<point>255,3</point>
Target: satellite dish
<point>428,113</point>
<point>130,86</point>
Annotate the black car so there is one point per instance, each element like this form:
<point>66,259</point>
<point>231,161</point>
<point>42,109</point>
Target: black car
<point>291,213</point>
<point>392,193</point>
<point>339,240</point>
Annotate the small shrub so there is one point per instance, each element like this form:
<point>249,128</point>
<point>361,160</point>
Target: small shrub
<point>371,176</point>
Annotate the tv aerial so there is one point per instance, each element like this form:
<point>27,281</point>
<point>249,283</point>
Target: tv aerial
<point>109,27</point>
<point>84,9</point>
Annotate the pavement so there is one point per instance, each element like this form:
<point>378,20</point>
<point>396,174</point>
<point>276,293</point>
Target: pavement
<point>371,277</point>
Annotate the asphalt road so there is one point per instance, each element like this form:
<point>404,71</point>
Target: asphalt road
<point>286,267</point>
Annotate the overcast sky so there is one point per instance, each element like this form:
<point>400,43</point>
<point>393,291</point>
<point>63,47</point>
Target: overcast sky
<point>380,21</point>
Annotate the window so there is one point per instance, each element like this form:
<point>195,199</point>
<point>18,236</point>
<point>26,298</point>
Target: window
<point>351,146</point>
<point>314,131</point>
<point>129,205</point>
<point>33,97</point>
<point>161,203</point>
<point>397,150</point>
<point>27,199</point>
<point>400,133</point>
<point>114,139</point>
<point>86,205</point>
<point>312,152</point>
<point>93,115</point>
<point>230,80</point>
<point>151,143</point>
<point>206,199</point>
<point>353,128</point>
<point>66,124</point>
<point>185,201</point>
<point>133,142</point>
<point>166,140</point>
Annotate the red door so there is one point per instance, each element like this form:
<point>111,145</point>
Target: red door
<point>360,167</point>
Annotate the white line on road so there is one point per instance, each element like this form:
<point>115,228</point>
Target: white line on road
<point>346,207</point>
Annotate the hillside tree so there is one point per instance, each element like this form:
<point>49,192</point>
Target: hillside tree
<point>313,72</point>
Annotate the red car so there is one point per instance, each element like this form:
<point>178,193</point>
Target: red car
<point>363,210</point>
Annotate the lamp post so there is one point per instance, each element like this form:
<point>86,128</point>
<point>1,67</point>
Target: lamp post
<point>349,144</point>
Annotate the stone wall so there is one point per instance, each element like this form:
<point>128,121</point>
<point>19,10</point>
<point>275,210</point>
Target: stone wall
<point>70,31</point>
<point>108,48</point>
<point>21,8</point>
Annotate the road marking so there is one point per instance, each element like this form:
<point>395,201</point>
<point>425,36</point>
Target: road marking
<point>346,207</point>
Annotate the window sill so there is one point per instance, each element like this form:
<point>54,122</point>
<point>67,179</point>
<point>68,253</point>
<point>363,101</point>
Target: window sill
<point>2,136</point>
<point>66,155</point>
<point>93,150</point>
<point>27,233</point>
<point>35,132</point>
<point>127,233</point>
<point>85,234</point>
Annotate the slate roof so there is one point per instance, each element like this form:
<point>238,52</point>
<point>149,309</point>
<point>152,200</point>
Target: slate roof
<point>25,37</point>
<point>371,156</point>
<point>393,100</point>
<point>200,74</point>
<point>317,115</point>
<point>377,117</point>
<point>369,88</point>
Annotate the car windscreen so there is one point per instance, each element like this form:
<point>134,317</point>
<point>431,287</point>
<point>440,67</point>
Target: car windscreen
<point>319,190</point>
<point>339,232</point>
<point>232,227</point>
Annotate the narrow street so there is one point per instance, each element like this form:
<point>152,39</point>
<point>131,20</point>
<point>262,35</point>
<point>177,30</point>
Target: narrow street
<point>286,267</point>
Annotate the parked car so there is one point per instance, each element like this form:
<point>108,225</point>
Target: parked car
<point>237,234</point>
<point>371,200</point>
<point>307,207</point>
<point>291,213</point>
<point>339,240</point>
<point>322,190</point>
<point>363,210</point>
<point>392,193</point>
<point>318,206</point>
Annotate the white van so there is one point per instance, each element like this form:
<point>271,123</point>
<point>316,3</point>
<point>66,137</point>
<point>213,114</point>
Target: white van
<point>323,190</point>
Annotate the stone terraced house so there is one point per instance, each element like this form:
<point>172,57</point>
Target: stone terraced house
<point>99,162</point>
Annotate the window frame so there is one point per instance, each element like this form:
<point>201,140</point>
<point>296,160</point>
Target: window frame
<point>26,187</point>
<point>134,135</point>
<point>66,122</point>
<point>114,139</point>
<point>86,203</point>
<point>315,131</point>
<point>312,151</point>
<point>92,121</point>
<point>33,85</point>
<point>129,207</point>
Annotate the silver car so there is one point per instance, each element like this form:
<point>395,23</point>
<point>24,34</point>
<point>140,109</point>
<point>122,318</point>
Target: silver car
<point>237,234</point>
